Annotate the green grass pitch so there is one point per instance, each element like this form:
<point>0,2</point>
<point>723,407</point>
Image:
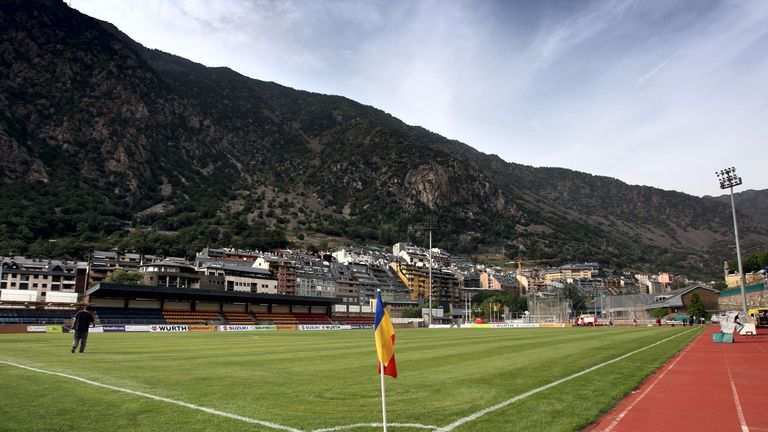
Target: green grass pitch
<point>312,381</point>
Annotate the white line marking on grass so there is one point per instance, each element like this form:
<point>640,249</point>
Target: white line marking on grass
<point>217,412</point>
<point>159,398</point>
<point>355,426</point>
<point>498,406</point>
<point>647,390</point>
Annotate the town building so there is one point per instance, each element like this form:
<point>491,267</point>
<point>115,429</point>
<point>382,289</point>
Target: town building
<point>445,285</point>
<point>350,254</point>
<point>498,281</point>
<point>37,279</point>
<point>234,275</point>
<point>283,269</point>
<point>169,273</point>
<point>314,278</point>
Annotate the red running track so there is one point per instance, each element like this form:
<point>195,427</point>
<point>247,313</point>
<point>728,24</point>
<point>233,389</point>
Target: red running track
<point>706,387</point>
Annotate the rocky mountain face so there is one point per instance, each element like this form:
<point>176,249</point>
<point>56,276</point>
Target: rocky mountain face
<point>752,203</point>
<point>109,144</point>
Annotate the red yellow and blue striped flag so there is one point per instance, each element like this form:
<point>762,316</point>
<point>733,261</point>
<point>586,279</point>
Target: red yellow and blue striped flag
<point>385,338</point>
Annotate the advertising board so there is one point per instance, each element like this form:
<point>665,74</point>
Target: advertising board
<point>235,328</point>
<point>53,329</point>
<point>200,328</point>
<point>324,327</point>
<point>163,328</point>
<point>555,325</point>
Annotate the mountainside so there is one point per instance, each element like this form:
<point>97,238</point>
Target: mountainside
<point>109,144</point>
<point>753,203</point>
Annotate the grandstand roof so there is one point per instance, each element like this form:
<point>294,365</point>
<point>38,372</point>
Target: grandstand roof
<point>113,290</point>
<point>675,298</point>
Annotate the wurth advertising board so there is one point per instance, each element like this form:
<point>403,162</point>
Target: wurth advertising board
<point>168,328</point>
<point>324,327</point>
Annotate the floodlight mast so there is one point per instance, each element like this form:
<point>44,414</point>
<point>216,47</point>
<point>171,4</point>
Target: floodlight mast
<point>728,179</point>
<point>430,227</point>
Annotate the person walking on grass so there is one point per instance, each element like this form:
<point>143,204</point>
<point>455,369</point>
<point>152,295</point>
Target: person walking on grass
<point>83,320</point>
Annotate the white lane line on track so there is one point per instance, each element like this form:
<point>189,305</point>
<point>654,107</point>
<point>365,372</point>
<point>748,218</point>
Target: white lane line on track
<point>162,399</point>
<point>739,411</point>
<point>647,390</point>
<point>501,405</point>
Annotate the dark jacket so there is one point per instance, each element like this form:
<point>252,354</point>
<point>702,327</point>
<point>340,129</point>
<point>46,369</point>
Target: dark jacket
<point>83,320</point>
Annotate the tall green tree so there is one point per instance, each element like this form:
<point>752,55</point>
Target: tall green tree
<point>696,308</point>
<point>125,277</point>
<point>411,312</point>
<point>578,301</point>
<point>515,302</point>
<point>752,263</point>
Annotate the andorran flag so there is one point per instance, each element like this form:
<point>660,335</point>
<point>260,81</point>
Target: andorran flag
<point>385,338</point>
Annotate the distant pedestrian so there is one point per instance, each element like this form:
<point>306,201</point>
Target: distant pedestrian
<point>690,320</point>
<point>634,322</point>
<point>658,322</point>
<point>738,323</point>
<point>83,320</point>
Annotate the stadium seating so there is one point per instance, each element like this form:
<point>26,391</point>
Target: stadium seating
<point>355,320</point>
<point>313,319</point>
<point>276,318</point>
<point>36,316</point>
<point>129,316</point>
<point>291,319</point>
<point>239,318</point>
<point>173,316</point>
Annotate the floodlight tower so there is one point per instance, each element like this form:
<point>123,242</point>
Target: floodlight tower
<point>430,226</point>
<point>728,179</point>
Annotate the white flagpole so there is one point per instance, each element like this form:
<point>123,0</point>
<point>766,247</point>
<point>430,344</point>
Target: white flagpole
<point>383,400</point>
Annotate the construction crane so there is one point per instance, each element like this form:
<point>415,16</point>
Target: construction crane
<point>520,263</point>
<point>522,281</point>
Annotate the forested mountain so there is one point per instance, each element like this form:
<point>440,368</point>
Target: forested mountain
<point>108,144</point>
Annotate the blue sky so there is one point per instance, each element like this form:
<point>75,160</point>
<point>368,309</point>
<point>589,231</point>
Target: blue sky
<point>652,92</point>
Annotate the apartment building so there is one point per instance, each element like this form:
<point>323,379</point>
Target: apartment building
<point>42,279</point>
<point>283,269</point>
<point>445,285</point>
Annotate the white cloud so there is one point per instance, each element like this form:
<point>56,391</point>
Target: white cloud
<point>655,93</point>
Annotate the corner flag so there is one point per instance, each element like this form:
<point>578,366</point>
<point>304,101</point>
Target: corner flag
<point>385,338</point>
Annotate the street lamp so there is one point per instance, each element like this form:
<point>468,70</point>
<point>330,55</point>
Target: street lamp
<point>728,179</point>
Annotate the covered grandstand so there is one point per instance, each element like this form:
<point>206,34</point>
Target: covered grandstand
<point>144,304</point>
